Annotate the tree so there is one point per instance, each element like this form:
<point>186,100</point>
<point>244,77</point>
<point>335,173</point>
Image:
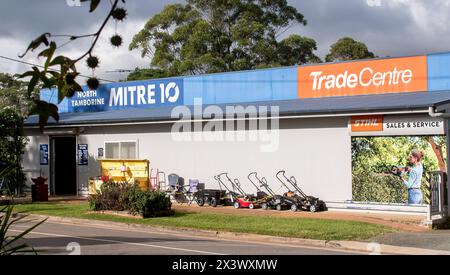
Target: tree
<point>12,147</point>
<point>346,49</point>
<point>438,145</point>
<point>60,71</point>
<point>221,36</point>
<point>13,94</point>
<point>140,74</point>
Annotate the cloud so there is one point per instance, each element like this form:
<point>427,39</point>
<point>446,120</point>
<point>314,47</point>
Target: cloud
<point>16,32</point>
<point>393,28</point>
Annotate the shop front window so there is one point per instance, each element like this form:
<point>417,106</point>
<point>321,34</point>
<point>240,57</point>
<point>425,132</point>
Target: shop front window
<point>121,150</point>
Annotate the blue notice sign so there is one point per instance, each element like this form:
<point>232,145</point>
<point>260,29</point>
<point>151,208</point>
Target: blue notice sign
<point>83,155</point>
<point>43,148</point>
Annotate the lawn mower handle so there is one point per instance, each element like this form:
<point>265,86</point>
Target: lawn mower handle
<point>283,172</point>
<point>222,174</point>
<point>264,180</point>
<point>250,179</point>
<point>252,173</point>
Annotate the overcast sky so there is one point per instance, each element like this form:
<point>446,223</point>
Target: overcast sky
<point>388,27</point>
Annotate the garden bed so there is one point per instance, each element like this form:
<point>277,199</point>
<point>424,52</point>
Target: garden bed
<point>132,200</point>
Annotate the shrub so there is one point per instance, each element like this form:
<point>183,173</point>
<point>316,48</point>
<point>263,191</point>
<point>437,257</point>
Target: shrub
<point>371,187</point>
<point>153,204</point>
<point>131,198</point>
<point>109,197</point>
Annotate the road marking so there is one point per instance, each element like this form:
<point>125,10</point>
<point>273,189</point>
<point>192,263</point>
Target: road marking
<point>120,242</point>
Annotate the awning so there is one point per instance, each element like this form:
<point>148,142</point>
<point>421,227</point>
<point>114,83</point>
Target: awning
<point>403,102</point>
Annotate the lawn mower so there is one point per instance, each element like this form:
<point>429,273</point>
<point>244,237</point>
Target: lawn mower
<point>245,200</point>
<point>303,201</point>
<point>237,196</point>
<point>272,200</point>
<point>214,197</point>
<point>260,195</point>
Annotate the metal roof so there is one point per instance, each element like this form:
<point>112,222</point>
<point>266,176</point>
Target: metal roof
<point>299,107</point>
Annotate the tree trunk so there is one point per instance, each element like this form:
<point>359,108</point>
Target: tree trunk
<point>439,155</point>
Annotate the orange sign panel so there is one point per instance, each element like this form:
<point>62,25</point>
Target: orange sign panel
<point>397,75</point>
<point>367,124</point>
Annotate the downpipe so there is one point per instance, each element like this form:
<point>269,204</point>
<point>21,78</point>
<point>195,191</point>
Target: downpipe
<point>432,113</point>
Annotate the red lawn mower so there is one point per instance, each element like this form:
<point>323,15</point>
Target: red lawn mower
<point>239,198</point>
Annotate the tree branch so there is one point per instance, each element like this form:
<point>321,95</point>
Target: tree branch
<point>97,34</point>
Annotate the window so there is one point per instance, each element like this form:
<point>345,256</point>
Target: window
<point>121,150</point>
<point>112,150</point>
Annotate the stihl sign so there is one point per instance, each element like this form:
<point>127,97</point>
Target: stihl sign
<point>413,125</point>
<point>360,78</point>
<point>367,124</point>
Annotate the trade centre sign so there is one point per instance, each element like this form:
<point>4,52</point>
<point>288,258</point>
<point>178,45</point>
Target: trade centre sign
<point>396,75</point>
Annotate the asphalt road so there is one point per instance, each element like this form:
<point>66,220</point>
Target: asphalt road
<point>64,238</point>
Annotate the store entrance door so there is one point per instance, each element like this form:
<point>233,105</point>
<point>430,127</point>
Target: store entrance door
<point>63,169</point>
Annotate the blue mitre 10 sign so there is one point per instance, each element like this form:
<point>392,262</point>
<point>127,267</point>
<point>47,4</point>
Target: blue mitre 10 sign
<point>118,96</point>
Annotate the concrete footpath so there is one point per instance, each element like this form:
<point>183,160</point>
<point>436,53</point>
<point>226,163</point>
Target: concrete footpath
<point>435,240</point>
<point>378,246</point>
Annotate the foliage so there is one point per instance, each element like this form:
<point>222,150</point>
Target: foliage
<point>13,94</point>
<point>220,36</point>
<point>13,244</point>
<point>151,203</point>
<point>131,198</point>
<point>60,71</point>
<point>379,154</point>
<point>109,197</point>
<point>372,160</point>
<point>12,146</point>
<point>372,187</point>
<point>346,49</point>
<point>142,74</point>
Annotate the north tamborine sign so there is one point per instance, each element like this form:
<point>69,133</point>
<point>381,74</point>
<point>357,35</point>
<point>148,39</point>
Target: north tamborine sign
<point>139,94</point>
<point>378,125</point>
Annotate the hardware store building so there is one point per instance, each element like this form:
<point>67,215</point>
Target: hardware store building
<point>317,108</point>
